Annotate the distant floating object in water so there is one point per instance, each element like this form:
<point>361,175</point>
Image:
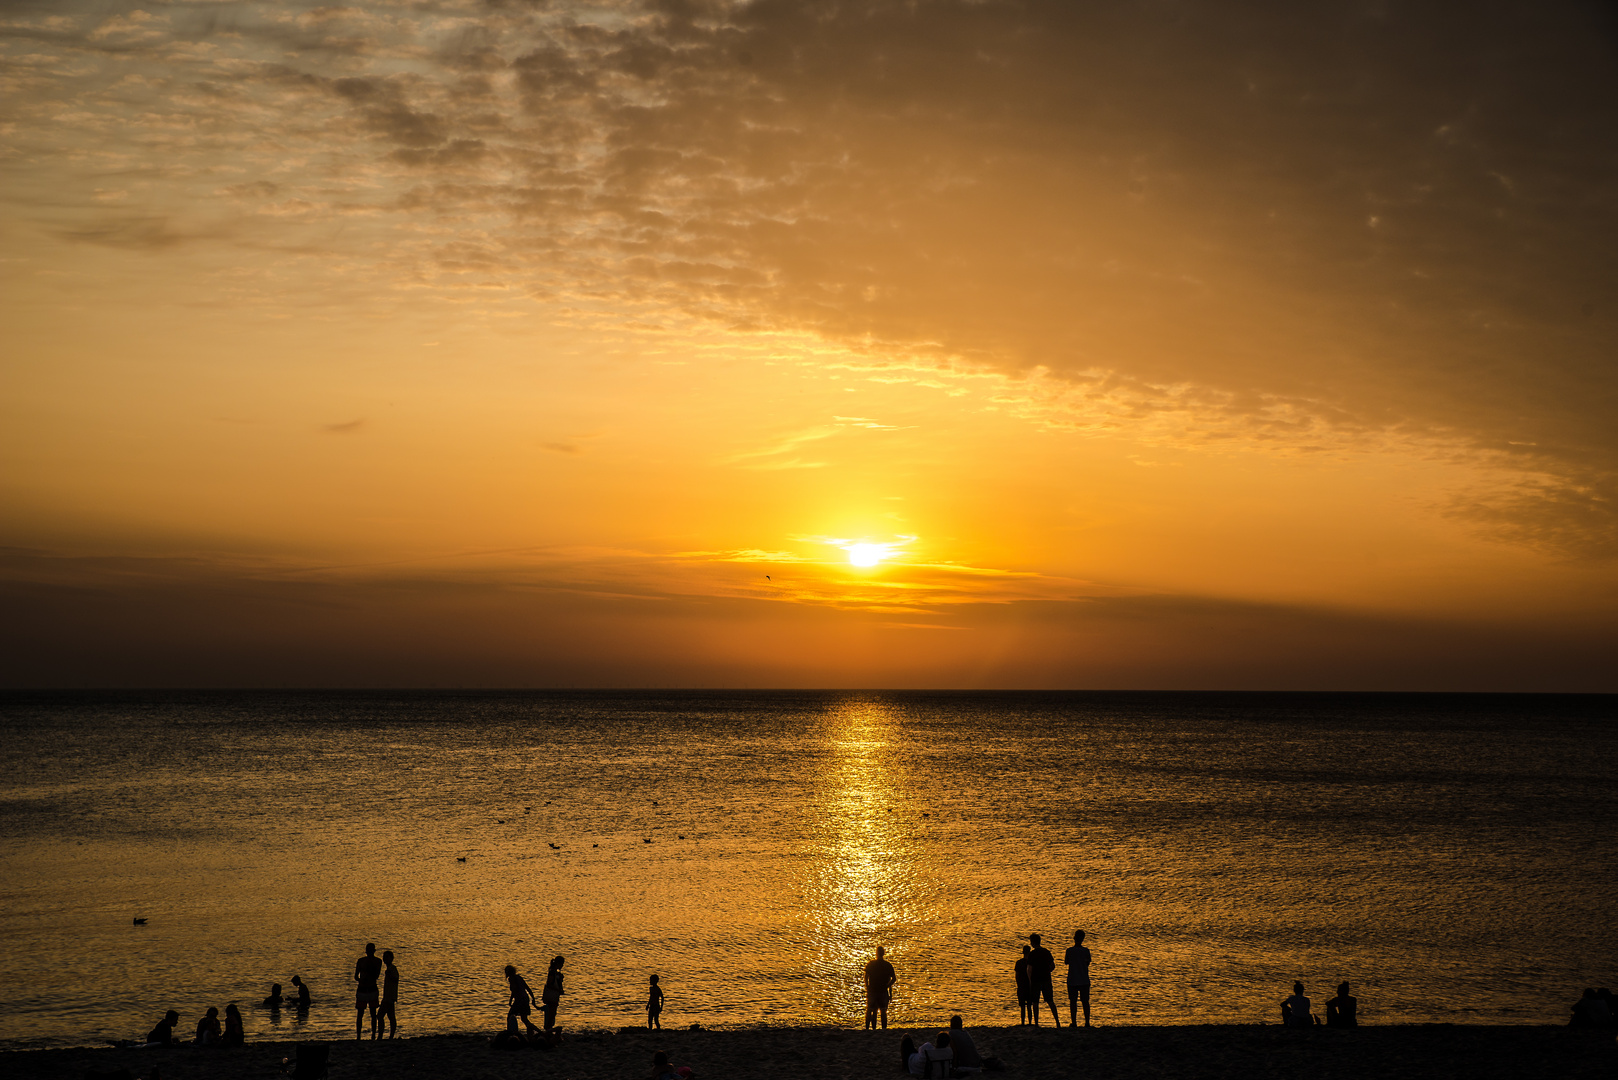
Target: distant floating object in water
<point>140,922</point>
<point>460,858</point>
<point>526,809</point>
<point>925,814</point>
<point>682,837</point>
<point>502,821</point>
<point>595,845</point>
<point>555,847</point>
<point>654,802</point>
<point>648,840</point>
<point>547,802</point>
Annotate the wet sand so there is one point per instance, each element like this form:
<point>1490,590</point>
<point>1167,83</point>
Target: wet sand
<point>1425,1051</point>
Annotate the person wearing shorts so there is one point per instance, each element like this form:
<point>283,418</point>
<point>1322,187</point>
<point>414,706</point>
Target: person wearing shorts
<point>390,997</point>
<point>366,970</point>
<point>521,1003</point>
<point>1078,980</point>
<point>1040,965</point>
<point>879,980</point>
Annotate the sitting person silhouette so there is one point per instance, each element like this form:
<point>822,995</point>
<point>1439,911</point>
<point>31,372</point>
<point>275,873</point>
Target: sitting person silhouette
<point>1343,1010</point>
<point>1590,1011</point>
<point>907,1050</point>
<point>208,1028</point>
<point>967,1058</point>
<point>940,1058</point>
<point>163,1033</point>
<point>275,998</point>
<point>1295,1009</point>
<point>235,1033</point>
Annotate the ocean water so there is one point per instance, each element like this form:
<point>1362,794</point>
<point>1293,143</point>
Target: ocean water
<point>1451,856</point>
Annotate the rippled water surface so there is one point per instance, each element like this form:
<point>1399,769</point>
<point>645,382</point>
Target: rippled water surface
<point>1451,856</point>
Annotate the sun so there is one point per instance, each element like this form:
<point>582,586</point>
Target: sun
<point>866,554</point>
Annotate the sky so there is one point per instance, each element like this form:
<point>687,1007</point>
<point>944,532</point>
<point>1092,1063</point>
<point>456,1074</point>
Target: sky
<point>1132,345</point>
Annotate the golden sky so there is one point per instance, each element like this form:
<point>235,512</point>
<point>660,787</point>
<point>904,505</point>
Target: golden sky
<point>496,343</point>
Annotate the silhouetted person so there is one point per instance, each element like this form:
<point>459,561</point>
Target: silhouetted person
<point>1040,965</point>
<point>1025,987</point>
<point>163,1033</point>
<point>1343,1010</point>
<point>303,994</point>
<point>1295,1009</point>
<point>235,1033</point>
<point>390,998</point>
<point>520,1004</point>
<point>551,997</point>
<point>366,997</point>
<point>663,1068</point>
<point>1078,980</point>
<point>1590,1011</point>
<point>1604,996</point>
<point>208,1028</point>
<point>275,998</point>
<point>879,980</point>
<point>654,1006</point>
<point>966,1051</point>
<point>940,1057</point>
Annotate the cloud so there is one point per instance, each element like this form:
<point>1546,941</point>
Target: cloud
<point>88,621</point>
<point>1214,226</point>
<point>349,427</point>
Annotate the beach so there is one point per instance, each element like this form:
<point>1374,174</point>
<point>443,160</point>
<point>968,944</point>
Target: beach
<point>1473,1052</point>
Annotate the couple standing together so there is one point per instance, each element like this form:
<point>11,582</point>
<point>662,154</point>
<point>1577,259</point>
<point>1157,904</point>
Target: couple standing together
<point>366,972</point>
<point>1034,981</point>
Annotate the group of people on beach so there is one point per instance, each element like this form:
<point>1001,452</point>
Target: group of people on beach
<point>520,1004</point>
<point>1033,974</point>
<point>368,998</point>
<point>1341,1011</point>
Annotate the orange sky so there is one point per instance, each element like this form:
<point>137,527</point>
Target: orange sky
<point>1151,345</point>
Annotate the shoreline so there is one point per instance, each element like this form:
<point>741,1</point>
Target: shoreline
<point>1473,1051</point>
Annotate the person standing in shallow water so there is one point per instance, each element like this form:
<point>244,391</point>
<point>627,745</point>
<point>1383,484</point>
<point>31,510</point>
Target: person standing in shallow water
<point>366,970</point>
<point>1040,965</point>
<point>879,980</point>
<point>551,997</point>
<point>1025,986</point>
<point>654,1006</point>
<point>1078,980</point>
<point>390,998</point>
<point>520,1003</point>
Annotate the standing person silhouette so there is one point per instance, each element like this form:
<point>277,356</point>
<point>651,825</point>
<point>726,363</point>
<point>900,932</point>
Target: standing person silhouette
<point>654,1006</point>
<point>390,998</point>
<point>551,997</point>
<point>520,1004</point>
<point>366,970</point>
<point>1025,986</point>
<point>1040,965</point>
<point>1078,980</point>
<point>879,980</point>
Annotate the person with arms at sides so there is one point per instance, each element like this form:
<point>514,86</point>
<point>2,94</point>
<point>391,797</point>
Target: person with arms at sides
<point>1343,1010</point>
<point>654,1006</point>
<point>275,998</point>
<point>879,980</point>
<point>390,998</point>
<point>302,1004</point>
<point>366,998</point>
<point>552,994</point>
<point>163,1033</point>
<point>520,1004</point>
<point>1295,1009</point>
<point>1025,986</point>
<point>1078,980</point>
<point>1040,965</point>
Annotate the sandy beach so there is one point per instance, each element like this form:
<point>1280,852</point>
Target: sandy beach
<point>1426,1051</point>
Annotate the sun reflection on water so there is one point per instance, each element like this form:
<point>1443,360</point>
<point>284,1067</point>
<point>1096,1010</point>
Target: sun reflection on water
<point>862,890</point>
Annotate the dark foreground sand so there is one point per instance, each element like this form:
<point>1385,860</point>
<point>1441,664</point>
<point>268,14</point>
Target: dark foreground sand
<point>1426,1051</point>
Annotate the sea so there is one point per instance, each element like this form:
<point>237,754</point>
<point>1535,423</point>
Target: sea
<point>1450,856</point>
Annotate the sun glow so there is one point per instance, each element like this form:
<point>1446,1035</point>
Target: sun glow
<point>866,554</point>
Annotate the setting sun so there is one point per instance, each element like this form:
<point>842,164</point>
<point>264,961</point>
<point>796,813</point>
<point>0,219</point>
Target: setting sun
<point>866,554</point>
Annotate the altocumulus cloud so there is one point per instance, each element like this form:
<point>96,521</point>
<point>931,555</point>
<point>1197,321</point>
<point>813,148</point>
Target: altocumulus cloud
<point>1278,227</point>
